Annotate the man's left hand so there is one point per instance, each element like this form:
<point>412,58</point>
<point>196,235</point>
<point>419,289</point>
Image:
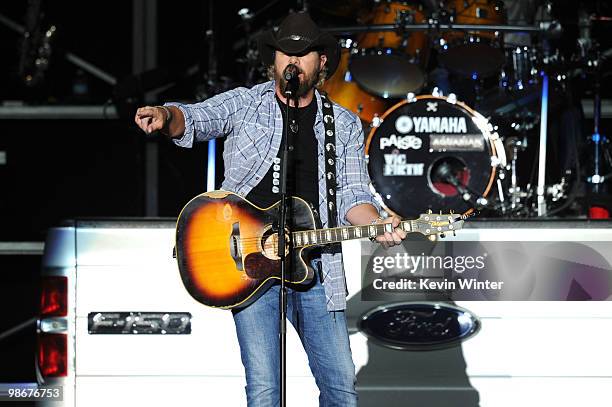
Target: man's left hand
<point>391,239</point>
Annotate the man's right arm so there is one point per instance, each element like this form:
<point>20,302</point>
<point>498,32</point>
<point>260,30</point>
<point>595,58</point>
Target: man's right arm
<point>193,122</point>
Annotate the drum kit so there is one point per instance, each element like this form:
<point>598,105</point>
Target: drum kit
<point>425,147</point>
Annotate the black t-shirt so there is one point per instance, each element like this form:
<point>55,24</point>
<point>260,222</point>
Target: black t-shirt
<point>302,176</point>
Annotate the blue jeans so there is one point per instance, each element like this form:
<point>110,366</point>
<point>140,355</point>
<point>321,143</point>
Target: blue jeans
<point>323,334</point>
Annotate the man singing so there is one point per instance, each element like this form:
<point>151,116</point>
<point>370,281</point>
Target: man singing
<point>253,120</point>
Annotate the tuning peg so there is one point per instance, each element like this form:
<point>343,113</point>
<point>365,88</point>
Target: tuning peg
<point>429,211</point>
<point>452,212</point>
<point>440,211</point>
<point>454,233</point>
<point>442,235</point>
<point>432,238</point>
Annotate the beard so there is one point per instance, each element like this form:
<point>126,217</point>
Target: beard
<point>307,84</point>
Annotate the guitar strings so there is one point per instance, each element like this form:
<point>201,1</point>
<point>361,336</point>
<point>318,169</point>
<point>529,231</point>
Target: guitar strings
<point>261,238</point>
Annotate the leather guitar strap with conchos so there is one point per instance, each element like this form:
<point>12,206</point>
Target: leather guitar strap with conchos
<point>330,161</point>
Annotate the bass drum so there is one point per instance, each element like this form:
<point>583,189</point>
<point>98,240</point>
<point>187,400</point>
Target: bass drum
<point>432,153</point>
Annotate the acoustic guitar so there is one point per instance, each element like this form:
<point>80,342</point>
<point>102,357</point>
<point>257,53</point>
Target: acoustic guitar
<point>227,248</point>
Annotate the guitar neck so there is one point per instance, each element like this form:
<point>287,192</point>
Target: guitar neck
<point>339,234</point>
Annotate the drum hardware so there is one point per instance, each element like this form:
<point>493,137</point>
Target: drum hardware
<point>516,195</point>
<point>516,202</point>
<point>551,29</point>
<point>558,191</point>
<point>520,70</point>
<point>376,121</point>
<point>437,92</point>
<point>599,141</point>
<point>587,62</point>
<point>541,185</point>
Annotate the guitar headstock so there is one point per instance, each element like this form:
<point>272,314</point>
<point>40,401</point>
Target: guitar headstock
<point>431,223</point>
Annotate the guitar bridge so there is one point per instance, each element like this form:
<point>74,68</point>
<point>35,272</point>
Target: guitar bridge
<point>234,245</point>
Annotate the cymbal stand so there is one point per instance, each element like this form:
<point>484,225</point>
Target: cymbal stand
<point>596,179</point>
<point>516,195</point>
<point>591,54</point>
<point>541,188</point>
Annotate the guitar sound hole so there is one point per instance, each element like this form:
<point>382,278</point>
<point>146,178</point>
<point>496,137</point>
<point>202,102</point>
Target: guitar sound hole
<point>269,244</point>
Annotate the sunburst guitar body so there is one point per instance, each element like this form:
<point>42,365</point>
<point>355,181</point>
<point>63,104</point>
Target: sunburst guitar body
<point>226,247</point>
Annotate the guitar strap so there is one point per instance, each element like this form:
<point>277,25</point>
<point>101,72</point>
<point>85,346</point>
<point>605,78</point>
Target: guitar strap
<point>330,163</point>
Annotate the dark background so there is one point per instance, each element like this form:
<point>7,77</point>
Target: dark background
<point>60,169</point>
<point>67,168</point>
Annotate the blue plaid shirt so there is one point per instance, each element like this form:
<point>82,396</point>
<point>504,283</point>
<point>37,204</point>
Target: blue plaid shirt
<point>252,121</point>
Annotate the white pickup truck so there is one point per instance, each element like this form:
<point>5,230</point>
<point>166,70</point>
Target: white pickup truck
<point>118,328</point>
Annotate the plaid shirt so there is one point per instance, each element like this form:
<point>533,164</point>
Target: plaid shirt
<point>252,121</point>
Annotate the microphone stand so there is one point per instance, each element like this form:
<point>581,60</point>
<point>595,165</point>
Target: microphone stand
<point>283,215</point>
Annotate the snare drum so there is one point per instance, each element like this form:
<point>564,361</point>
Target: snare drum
<point>432,153</point>
<point>387,64</point>
<point>473,53</point>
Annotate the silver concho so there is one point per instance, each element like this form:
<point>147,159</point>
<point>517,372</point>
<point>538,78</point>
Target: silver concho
<point>328,118</point>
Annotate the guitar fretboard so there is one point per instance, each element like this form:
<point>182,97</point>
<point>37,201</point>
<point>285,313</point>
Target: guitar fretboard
<point>339,234</point>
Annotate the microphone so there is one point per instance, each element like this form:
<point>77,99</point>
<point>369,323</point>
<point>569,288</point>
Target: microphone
<point>291,73</point>
<point>447,174</point>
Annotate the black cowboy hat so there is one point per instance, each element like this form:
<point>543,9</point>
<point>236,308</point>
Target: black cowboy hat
<point>296,35</point>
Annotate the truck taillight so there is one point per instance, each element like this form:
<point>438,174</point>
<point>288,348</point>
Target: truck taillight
<point>54,297</point>
<point>52,355</point>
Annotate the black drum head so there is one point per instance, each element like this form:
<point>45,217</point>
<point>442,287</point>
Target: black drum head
<point>389,75</point>
<point>430,154</point>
